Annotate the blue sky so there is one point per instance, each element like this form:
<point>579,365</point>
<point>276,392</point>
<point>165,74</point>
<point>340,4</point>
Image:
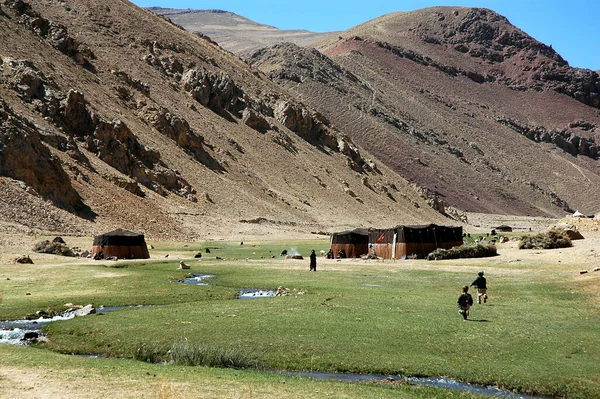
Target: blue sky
<point>572,27</point>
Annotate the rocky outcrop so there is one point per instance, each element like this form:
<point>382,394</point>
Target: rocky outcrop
<point>24,157</point>
<point>178,129</point>
<point>254,120</point>
<point>54,33</point>
<point>563,139</point>
<point>112,141</point>
<point>217,91</point>
<point>169,64</point>
<point>483,34</point>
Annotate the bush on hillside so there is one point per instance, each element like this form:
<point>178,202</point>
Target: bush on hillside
<point>555,238</point>
<point>476,250</point>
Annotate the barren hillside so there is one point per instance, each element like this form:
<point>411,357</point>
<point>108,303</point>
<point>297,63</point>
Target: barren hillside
<point>460,102</point>
<point>111,116</point>
<point>235,33</point>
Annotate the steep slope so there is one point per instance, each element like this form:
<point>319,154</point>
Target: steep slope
<point>460,102</point>
<point>235,33</point>
<point>111,116</point>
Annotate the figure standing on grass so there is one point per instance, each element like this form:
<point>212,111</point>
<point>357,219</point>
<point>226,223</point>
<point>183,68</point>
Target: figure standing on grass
<point>313,261</point>
<point>481,284</point>
<point>465,300</point>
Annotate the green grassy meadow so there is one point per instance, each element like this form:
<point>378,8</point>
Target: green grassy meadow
<point>537,335</point>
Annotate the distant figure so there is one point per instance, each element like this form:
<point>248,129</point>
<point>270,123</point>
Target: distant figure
<point>322,253</point>
<point>480,284</point>
<point>342,254</point>
<point>167,255</point>
<point>207,250</point>
<point>182,265</point>
<point>465,301</point>
<point>242,243</point>
<point>284,252</point>
<point>313,261</point>
<point>198,255</point>
<point>330,254</point>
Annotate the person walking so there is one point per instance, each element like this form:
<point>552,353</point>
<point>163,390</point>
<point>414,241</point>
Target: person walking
<point>464,303</point>
<point>480,283</point>
<point>313,261</point>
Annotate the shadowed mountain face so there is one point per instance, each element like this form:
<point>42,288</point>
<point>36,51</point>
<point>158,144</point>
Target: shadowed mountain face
<point>460,102</point>
<point>111,116</point>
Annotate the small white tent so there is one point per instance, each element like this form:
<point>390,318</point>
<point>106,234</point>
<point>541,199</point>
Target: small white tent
<point>578,214</point>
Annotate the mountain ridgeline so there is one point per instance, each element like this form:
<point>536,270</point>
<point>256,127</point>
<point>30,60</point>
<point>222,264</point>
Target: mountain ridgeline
<point>112,116</point>
<point>460,102</point>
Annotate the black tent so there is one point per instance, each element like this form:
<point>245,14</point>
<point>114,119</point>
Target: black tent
<point>354,242</point>
<point>123,244</point>
<point>416,240</point>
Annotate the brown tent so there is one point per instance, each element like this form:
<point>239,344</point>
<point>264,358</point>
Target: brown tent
<point>402,241</point>
<point>123,244</point>
<point>354,242</point>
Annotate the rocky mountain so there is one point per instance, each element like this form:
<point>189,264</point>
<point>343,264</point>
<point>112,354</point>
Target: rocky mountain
<point>111,116</point>
<point>460,102</point>
<point>235,33</point>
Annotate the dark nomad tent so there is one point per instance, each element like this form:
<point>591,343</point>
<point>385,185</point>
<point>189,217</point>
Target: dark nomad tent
<point>400,241</point>
<point>354,242</point>
<point>123,244</point>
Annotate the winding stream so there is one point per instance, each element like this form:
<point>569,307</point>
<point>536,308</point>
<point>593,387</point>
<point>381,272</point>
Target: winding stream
<point>438,382</point>
<point>23,332</point>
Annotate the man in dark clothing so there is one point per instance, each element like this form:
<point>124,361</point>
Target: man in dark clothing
<point>481,284</point>
<point>465,300</point>
<point>313,261</point>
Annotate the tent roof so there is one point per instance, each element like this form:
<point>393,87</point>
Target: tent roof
<point>119,237</point>
<point>359,231</point>
<point>122,232</point>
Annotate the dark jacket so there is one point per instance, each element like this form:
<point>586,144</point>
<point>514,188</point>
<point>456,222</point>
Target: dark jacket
<point>464,300</point>
<point>479,282</point>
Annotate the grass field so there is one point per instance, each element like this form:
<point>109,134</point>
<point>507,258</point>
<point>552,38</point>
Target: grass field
<point>537,335</point>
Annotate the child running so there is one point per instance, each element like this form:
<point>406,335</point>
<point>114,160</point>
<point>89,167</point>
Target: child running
<point>481,284</point>
<point>465,300</point>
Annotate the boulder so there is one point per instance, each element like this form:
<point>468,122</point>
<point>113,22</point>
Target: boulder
<point>23,259</point>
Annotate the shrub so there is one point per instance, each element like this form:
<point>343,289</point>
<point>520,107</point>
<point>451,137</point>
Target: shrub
<point>150,353</point>
<point>184,353</point>
<point>187,354</point>
<point>555,238</point>
<point>477,250</point>
<point>56,248</point>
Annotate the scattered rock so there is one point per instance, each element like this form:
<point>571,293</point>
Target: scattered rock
<point>23,259</point>
<point>183,266</point>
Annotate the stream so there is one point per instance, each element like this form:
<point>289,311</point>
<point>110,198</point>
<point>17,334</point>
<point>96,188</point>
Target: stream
<point>437,382</point>
<point>24,332</point>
